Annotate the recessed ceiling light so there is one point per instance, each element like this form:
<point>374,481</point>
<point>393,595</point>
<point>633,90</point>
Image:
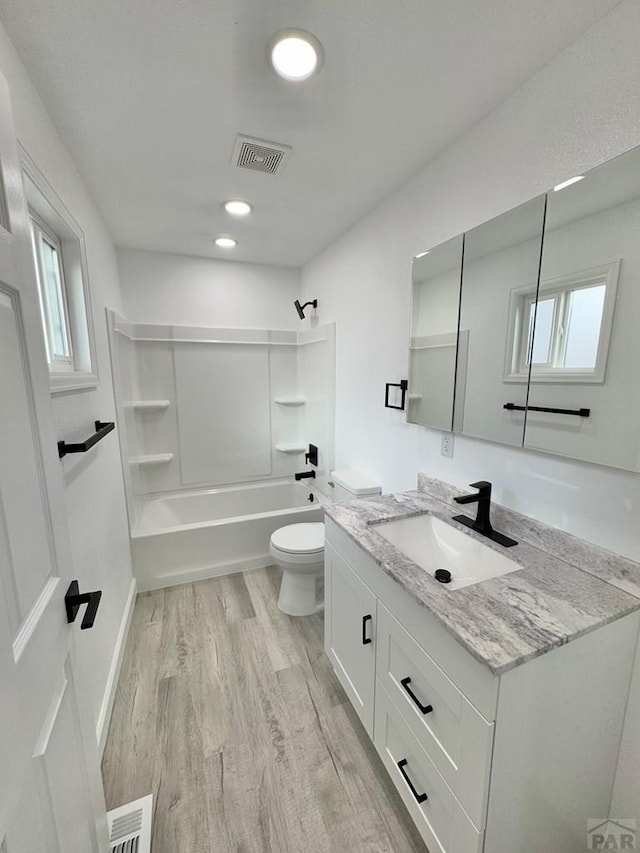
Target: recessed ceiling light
<point>422,254</point>
<point>568,183</point>
<point>237,208</point>
<point>226,242</point>
<point>295,54</point>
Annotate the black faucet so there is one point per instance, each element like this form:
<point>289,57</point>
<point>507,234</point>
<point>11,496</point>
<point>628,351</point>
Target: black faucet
<point>304,475</point>
<point>482,523</point>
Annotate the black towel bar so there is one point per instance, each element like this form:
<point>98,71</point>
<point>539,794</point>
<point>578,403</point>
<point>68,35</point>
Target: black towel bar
<point>581,413</point>
<point>102,428</point>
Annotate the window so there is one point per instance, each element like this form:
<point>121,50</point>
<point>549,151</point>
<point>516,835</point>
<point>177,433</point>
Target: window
<point>563,335</point>
<point>47,255</point>
<point>60,268</point>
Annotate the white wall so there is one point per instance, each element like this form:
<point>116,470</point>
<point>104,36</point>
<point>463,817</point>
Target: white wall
<point>94,490</point>
<point>578,111</point>
<point>159,287</point>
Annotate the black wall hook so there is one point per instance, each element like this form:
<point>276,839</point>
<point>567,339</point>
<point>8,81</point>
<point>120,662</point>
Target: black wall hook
<point>74,599</point>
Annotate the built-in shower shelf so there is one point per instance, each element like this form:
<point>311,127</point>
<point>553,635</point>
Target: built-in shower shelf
<point>152,459</point>
<point>291,447</point>
<point>148,405</point>
<point>290,401</point>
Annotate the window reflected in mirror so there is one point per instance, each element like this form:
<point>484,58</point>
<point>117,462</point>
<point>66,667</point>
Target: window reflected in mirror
<point>572,319</point>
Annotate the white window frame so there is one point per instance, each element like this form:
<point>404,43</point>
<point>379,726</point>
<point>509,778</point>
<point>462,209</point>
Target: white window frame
<point>50,217</point>
<point>524,299</point>
<point>40,232</point>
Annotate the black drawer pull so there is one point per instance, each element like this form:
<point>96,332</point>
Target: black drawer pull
<point>420,798</point>
<point>365,640</point>
<point>425,709</point>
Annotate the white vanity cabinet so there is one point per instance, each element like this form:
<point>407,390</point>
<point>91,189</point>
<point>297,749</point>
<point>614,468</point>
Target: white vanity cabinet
<point>516,763</point>
<point>350,621</point>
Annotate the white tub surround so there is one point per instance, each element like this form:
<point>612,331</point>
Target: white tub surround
<point>203,407</point>
<point>182,537</point>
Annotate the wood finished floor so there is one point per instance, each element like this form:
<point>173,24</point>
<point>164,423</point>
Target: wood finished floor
<point>228,711</point>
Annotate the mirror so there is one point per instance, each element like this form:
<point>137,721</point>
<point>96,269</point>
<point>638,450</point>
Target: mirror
<point>548,343</point>
<point>586,339</point>
<point>501,257</point>
<point>434,334</point>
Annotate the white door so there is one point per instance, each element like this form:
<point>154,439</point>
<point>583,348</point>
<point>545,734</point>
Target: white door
<point>350,621</point>
<point>50,789</point>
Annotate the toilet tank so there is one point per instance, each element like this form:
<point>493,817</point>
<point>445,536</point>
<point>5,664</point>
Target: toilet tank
<point>349,485</point>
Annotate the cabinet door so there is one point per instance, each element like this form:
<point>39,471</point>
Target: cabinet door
<point>350,621</point>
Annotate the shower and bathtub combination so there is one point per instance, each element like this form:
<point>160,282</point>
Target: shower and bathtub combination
<point>214,423</point>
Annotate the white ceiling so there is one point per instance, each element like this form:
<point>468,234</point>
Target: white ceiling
<point>150,94</point>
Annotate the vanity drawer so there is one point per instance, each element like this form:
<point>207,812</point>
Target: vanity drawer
<point>473,679</point>
<point>439,817</point>
<point>456,736</point>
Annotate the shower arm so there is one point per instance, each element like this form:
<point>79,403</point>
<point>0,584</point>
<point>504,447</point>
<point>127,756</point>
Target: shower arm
<point>300,308</point>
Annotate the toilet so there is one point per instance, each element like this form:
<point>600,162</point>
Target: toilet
<point>299,548</point>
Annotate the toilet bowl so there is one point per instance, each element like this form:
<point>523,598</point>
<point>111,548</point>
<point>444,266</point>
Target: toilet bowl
<point>298,549</point>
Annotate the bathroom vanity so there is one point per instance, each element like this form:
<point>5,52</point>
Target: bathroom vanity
<point>497,708</point>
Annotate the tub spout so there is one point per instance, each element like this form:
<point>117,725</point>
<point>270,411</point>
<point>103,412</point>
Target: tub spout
<point>304,475</point>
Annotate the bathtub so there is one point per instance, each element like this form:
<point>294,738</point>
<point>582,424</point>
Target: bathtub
<point>202,534</point>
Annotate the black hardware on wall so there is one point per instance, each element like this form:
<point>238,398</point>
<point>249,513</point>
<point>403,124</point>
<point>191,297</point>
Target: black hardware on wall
<point>311,457</point>
<point>300,308</point>
<point>366,640</point>
<point>102,428</point>
<point>419,798</point>
<point>305,475</point>
<point>580,413</point>
<point>403,386</point>
<point>424,709</point>
<point>73,601</point>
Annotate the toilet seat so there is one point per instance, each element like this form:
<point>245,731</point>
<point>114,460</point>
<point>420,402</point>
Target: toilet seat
<point>299,539</point>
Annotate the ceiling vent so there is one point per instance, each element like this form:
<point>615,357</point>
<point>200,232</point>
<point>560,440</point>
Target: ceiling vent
<point>258,155</point>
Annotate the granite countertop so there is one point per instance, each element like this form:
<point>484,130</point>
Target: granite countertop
<point>566,587</point>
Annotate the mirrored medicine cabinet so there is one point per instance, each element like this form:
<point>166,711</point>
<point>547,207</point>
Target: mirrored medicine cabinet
<point>526,330</point>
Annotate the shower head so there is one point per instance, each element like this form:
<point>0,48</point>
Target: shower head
<point>300,308</point>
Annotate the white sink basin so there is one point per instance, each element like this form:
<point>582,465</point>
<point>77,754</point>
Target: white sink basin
<point>432,544</point>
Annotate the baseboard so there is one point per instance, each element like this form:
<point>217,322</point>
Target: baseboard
<point>201,574</point>
<point>102,727</point>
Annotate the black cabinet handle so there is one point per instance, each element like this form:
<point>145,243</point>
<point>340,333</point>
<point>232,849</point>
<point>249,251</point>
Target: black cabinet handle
<point>365,640</point>
<point>419,798</point>
<point>425,709</point>
<point>581,413</point>
<point>73,601</point>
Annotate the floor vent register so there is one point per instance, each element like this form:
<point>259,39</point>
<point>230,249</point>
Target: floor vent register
<point>130,826</point>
